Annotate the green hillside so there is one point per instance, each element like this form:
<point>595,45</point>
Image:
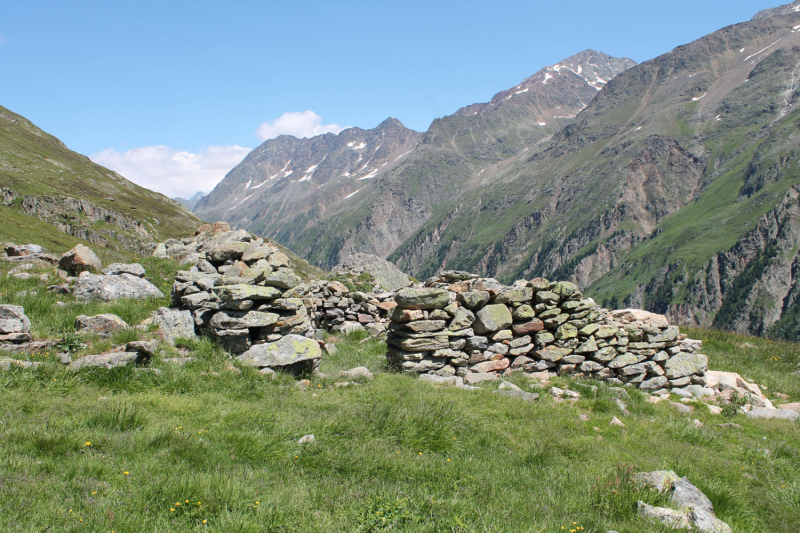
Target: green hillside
<point>41,179</point>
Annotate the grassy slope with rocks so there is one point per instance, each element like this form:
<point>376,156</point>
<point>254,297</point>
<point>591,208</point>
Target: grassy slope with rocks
<point>98,450</point>
<point>35,163</point>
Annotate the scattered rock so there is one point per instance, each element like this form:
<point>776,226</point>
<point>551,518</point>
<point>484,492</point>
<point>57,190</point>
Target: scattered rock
<point>617,422</point>
<point>681,408</point>
<point>103,325</point>
<point>15,326</point>
<point>80,259</point>
<point>518,394</point>
<point>359,372</point>
<point>107,360</point>
<point>307,439</point>
<point>783,414</point>
<point>668,517</point>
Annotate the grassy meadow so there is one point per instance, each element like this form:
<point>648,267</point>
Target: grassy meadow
<point>213,447</point>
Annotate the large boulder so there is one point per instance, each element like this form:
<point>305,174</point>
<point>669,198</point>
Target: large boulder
<point>388,276</point>
<point>174,324</point>
<point>134,269</point>
<point>492,318</point>
<point>292,352</point>
<point>15,326</point>
<point>104,324</point>
<point>21,250</point>
<point>80,259</point>
<point>110,288</point>
<point>410,298</point>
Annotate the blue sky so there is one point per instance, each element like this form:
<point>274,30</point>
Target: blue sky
<point>166,91</point>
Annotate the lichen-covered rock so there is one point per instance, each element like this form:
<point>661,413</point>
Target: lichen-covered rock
<point>110,288</point>
<point>462,319</point>
<point>686,364</point>
<point>283,278</point>
<point>80,259</point>
<point>291,351</point>
<point>174,324</point>
<point>411,298</point>
<point>104,324</point>
<point>231,250</point>
<point>228,293</point>
<point>473,299</point>
<point>492,318</point>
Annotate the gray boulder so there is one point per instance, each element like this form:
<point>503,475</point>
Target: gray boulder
<point>492,318</point>
<point>15,327</point>
<point>782,414</point>
<point>110,288</point>
<point>174,324</point>
<point>104,324</point>
<point>13,319</point>
<point>292,352</point>
<point>80,259</point>
<point>134,269</point>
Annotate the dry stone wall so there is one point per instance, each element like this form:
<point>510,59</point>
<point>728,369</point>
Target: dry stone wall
<point>476,328</point>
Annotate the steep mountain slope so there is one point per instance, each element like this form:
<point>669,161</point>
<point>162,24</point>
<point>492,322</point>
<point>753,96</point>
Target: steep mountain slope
<point>673,190</point>
<point>339,211</point>
<point>54,186</point>
<point>287,176</point>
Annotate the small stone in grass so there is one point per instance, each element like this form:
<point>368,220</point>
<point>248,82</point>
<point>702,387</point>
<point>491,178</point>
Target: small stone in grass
<point>306,439</point>
<point>616,422</point>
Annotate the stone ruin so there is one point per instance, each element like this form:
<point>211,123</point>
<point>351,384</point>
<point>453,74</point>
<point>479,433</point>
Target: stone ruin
<point>241,291</point>
<point>459,324</point>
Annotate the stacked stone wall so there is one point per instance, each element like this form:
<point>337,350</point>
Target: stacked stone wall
<point>476,328</point>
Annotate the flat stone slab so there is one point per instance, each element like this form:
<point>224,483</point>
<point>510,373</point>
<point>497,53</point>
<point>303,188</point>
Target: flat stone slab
<point>109,288</point>
<point>782,414</point>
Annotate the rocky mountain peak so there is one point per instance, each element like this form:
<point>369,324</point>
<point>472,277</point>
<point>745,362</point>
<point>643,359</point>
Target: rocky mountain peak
<point>787,9</point>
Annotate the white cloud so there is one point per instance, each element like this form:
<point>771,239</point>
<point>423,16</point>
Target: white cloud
<point>299,124</point>
<point>173,172</point>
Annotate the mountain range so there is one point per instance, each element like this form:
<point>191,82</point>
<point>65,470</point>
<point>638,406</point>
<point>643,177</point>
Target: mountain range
<point>670,185</point>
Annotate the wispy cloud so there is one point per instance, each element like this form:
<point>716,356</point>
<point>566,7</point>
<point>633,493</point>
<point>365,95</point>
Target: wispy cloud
<point>173,172</point>
<point>299,124</point>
